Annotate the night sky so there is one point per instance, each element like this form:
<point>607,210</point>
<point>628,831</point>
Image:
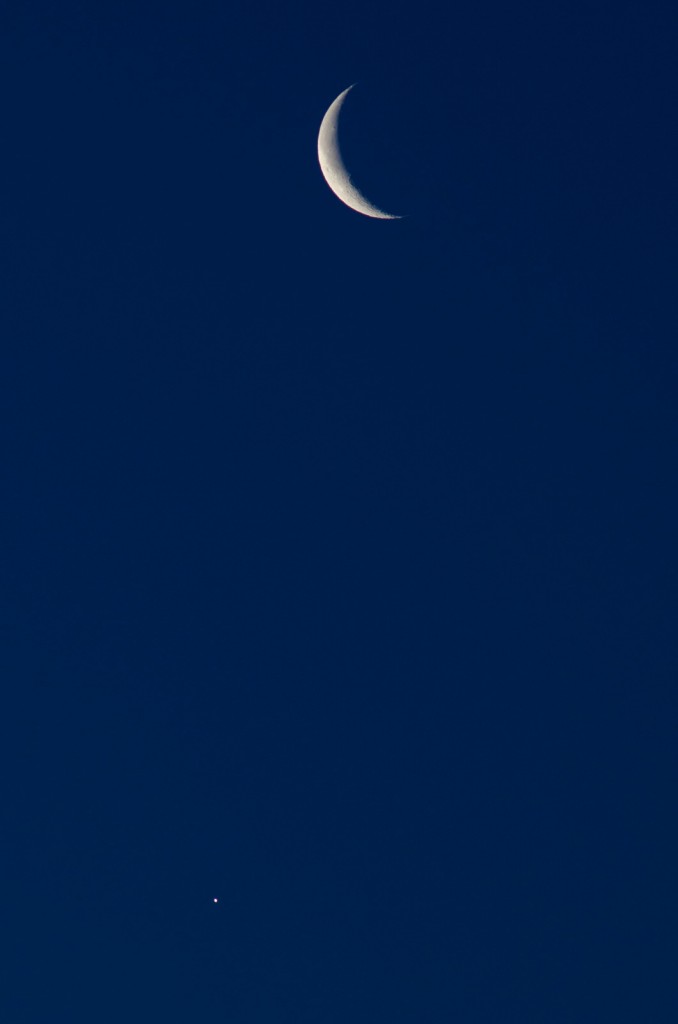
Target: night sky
<point>339,574</point>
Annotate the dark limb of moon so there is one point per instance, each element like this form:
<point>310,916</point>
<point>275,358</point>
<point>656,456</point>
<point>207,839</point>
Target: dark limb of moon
<point>334,169</point>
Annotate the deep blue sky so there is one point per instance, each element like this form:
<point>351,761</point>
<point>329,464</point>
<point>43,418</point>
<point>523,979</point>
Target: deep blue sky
<point>339,565</point>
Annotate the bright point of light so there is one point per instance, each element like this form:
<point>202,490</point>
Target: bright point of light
<point>216,900</point>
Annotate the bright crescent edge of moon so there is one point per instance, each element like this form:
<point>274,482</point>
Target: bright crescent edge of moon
<point>334,169</point>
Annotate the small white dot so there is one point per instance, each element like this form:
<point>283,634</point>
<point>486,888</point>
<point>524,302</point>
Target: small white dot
<point>216,900</point>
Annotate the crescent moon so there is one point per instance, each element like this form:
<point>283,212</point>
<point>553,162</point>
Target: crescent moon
<point>334,169</point>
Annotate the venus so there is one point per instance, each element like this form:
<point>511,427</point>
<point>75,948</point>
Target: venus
<point>334,169</point>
